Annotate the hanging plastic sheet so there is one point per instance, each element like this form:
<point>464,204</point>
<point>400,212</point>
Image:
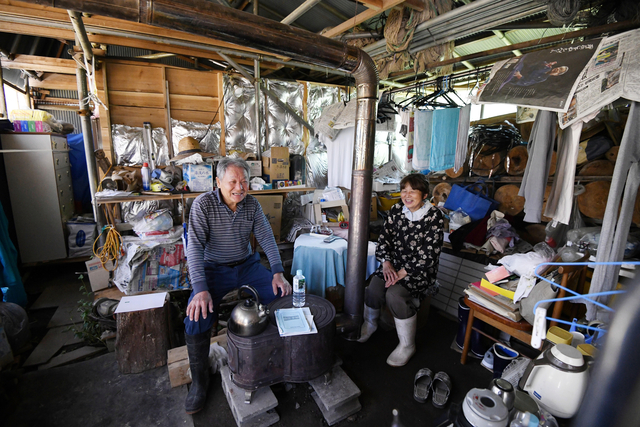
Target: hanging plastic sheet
<point>444,136</point>
<point>130,149</point>
<point>317,164</point>
<point>422,140</point>
<point>282,129</point>
<point>209,136</point>
<point>319,97</point>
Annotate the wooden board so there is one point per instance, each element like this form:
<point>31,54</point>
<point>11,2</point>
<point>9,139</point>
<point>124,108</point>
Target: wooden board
<point>135,78</point>
<point>510,202</point>
<point>59,295</point>
<point>196,116</point>
<point>65,315</point>
<point>593,202</point>
<point>55,81</point>
<point>134,116</point>
<point>136,99</point>
<point>73,356</point>
<point>192,82</point>
<point>52,342</point>
<point>191,102</point>
<point>178,362</point>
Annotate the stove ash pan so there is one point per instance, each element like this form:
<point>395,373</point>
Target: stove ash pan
<point>267,358</point>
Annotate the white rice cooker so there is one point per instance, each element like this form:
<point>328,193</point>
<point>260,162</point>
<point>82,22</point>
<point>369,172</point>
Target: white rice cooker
<point>557,380</point>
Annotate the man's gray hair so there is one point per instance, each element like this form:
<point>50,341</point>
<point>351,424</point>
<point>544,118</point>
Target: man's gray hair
<point>223,164</point>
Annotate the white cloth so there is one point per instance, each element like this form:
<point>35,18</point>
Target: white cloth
<point>560,201</point>
<point>417,215</point>
<point>340,158</point>
<point>423,122</point>
<point>462,144</point>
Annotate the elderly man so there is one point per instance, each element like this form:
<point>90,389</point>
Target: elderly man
<point>220,260</point>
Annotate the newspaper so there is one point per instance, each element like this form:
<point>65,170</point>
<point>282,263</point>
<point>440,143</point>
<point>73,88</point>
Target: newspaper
<point>613,73</point>
<point>544,79</point>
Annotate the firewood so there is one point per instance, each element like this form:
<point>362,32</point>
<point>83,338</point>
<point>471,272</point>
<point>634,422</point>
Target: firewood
<point>510,202</point>
<point>593,202</point>
<point>516,160</point>
<point>597,168</point>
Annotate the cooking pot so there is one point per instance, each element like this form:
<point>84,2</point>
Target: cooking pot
<point>557,380</point>
<point>249,318</point>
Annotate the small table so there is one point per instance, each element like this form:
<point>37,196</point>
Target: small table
<point>324,264</point>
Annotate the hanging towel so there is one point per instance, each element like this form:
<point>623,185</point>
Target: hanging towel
<point>624,186</point>
<point>423,124</point>
<point>462,144</point>
<point>340,157</point>
<point>534,180</point>
<point>444,137</point>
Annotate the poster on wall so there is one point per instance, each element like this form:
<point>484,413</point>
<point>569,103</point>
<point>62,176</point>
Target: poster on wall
<point>544,79</point>
<point>614,72</point>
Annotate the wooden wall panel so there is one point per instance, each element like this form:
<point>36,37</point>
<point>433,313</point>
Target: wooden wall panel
<point>197,103</point>
<point>137,99</point>
<point>194,116</point>
<point>191,82</point>
<point>55,81</point>
<point>136,116</point>
<point>135,78</point>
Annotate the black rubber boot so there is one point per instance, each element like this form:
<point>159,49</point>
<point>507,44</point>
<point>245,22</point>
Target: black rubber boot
<point>198,349</point>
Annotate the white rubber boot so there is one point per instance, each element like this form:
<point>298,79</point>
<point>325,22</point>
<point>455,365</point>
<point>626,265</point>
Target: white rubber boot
<point>406,329</point>
<point>370,323</point>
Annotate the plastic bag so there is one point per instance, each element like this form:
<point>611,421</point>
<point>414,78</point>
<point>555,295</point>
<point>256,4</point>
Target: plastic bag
<point>15,321</point>
<point>458,218</point>
<point>160,220</point>
<point>556,234</point>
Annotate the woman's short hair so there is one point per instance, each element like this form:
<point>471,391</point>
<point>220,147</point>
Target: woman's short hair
<point>417,181</point>
<point>225,162</point>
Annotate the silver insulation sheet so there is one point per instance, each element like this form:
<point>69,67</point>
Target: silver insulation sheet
<point>320,97</point>
<point>283,130</point>
<point>132,210</point>
<point>239,115</point>
<point>130,149</point>
<point>207,135</point>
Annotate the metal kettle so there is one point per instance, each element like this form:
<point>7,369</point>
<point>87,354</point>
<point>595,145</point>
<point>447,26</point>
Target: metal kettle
<point>249,318</point>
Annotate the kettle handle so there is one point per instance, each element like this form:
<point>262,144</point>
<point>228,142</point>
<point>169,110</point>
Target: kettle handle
<point>527,377</point>
<point>250,289</point>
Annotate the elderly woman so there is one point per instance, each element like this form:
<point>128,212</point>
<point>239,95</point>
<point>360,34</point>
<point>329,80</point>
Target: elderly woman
<point>409,249</point>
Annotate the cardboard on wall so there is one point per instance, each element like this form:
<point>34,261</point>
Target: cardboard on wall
<point>272,208</point>
<point>98,276</point>
<point>255,167</point>
<point>275,164</point>
<point>199,177</point>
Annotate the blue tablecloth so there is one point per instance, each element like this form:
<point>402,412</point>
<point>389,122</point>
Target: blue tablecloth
<point>324,264</point>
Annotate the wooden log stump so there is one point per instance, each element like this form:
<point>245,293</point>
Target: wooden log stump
<point>441,192</point>
<point>516,160</point>
<point>488,164</point>
<point>612,154</point>
<point>463,171</point>
<point>593,202</point>
<point>510,202</point>
<point>597,168</point>
<point>143,339</point>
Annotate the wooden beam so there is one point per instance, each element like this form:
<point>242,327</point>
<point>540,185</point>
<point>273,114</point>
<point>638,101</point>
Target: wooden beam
<point>361,17</point>
<point>55,81</point>
<point>372,4</point>
<point>41,63</point>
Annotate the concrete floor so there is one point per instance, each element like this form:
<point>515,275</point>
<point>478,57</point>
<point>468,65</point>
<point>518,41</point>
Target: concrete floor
<point>94,393</point>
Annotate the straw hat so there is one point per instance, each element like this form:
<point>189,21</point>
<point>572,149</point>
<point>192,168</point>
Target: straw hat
<point>187,147</point>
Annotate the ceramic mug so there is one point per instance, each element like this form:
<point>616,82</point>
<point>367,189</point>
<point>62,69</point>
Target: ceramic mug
<point>503,356</point>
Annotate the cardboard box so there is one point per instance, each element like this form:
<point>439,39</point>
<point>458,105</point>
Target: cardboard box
<point>98,276</point>
<point>256,168</point>
<point>275,164</point>
<point>199,177</point>
<point>272,208</point>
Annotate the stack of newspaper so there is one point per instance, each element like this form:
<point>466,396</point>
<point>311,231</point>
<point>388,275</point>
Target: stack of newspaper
<point>295,321</point>
<point>496,296</point>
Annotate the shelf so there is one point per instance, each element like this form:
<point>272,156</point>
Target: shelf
<point>181,196</point>
<point>508,179</point>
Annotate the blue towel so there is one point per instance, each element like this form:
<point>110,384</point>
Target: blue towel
<point>444,138</point>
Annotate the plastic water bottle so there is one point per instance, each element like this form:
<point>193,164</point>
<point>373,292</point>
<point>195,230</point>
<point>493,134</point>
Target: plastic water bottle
<point>146,180</point>
<point>299,289</point>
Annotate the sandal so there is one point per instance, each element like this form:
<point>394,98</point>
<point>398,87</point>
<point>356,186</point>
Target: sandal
<point>441,386</point>
<point>422,384</point>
